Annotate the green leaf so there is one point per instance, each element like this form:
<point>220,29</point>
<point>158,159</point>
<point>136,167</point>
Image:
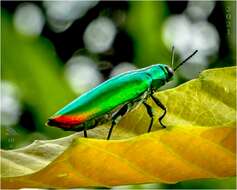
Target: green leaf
<point>198,143</point>
<point>152,15</point>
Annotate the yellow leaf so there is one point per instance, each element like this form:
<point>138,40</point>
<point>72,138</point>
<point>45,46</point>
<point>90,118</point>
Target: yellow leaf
<point>199,142</point>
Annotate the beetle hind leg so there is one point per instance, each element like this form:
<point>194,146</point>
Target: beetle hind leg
<point>91,125</point>
<point>85,133</point>
<point>111,129</point>
<point>116,118</point>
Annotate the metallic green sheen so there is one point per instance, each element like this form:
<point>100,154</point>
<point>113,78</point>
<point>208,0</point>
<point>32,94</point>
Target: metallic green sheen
<point>116,91</point>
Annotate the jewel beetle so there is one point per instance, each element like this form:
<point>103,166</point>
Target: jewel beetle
<point>115,97</point>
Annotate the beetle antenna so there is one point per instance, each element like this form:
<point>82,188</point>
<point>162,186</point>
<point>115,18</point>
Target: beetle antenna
<point>184,61</point>
<point>172,58</point>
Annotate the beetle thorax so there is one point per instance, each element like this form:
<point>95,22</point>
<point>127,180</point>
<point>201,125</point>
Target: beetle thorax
<point>159,75</point>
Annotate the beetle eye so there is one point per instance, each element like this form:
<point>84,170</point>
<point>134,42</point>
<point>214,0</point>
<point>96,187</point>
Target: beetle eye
<point>170,72</point>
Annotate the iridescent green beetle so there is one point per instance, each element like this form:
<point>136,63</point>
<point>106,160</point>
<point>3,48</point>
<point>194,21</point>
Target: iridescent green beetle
<point>114,98</point>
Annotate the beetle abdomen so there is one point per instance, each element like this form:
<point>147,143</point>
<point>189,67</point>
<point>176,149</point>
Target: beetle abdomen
<point>67,121</point>
<point>101,100</point>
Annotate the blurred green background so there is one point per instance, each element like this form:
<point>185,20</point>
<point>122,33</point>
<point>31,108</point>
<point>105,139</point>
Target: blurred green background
<point>53,51</point>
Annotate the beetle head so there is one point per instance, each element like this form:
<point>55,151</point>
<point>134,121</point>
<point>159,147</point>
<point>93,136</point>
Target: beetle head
<point>169,72</point>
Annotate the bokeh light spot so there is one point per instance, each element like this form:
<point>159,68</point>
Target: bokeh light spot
<point>206,38</point>
<point>82,74</point>
<point>99,35</point>
<point>200,10</point>
<point>177,32</point>
<point>29,19</point>
<point>61,14</point>
<point>187,36</point>
<point>10,105</point>
<point>122,68</point>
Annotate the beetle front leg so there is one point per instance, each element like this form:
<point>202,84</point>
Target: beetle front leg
<point>158,103</point>
<point>150,113</point>
<point>116,117</point>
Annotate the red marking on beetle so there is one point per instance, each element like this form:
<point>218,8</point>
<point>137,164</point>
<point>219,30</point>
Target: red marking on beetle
<point>67,121</point>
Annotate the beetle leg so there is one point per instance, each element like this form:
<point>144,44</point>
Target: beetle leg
<point>150,113</point>
<point>111,129</point>
<point>92,125</point>
<point>116,118</point>
<point>85,133</point>
<point>158,103</point>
